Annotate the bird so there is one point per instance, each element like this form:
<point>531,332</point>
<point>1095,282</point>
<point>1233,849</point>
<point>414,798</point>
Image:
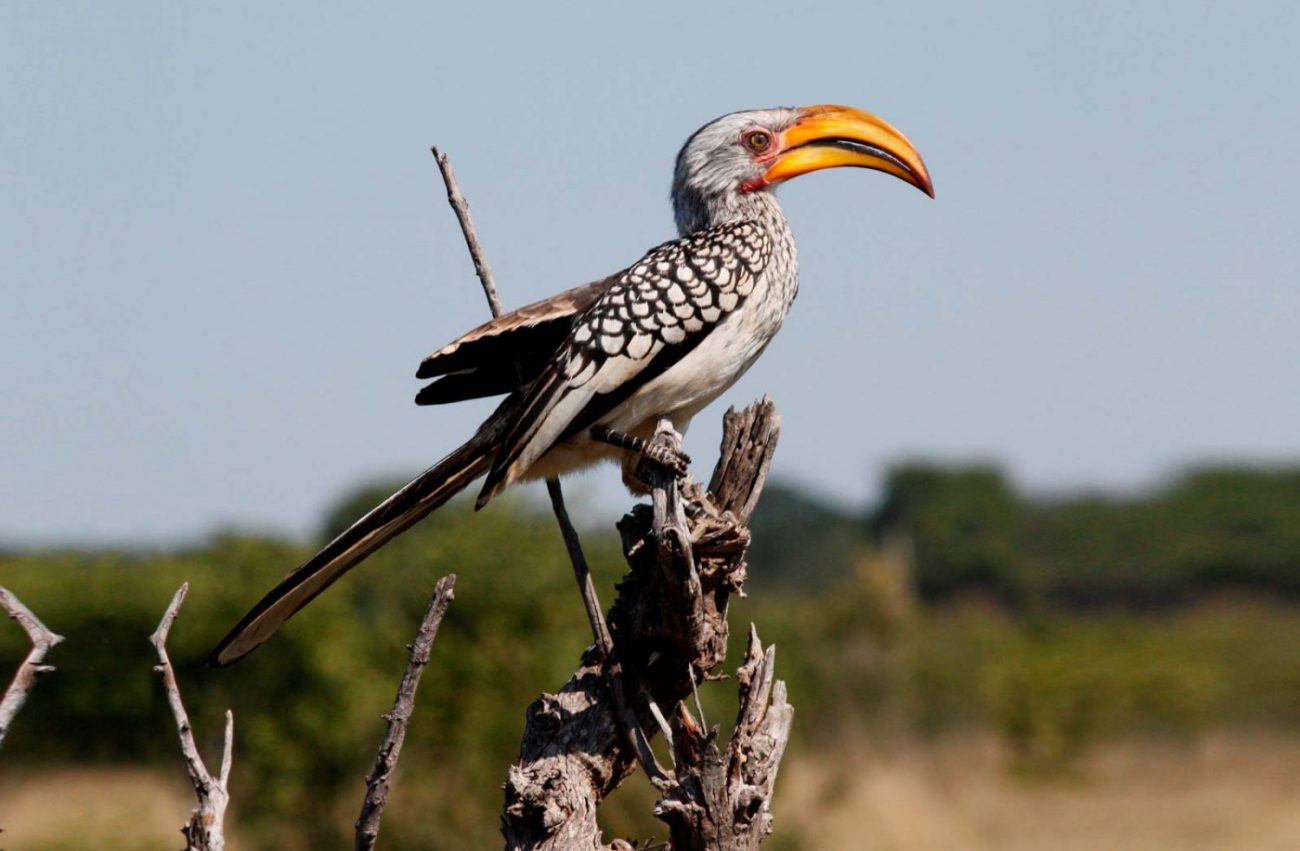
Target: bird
<point>588,373</point>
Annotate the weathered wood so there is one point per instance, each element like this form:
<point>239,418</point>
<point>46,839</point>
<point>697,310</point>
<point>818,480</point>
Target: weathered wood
<point>399,717</point>
<point>32,667</point>
<point>205,829</point>
<point>724,800</point>
<point>748,445</point>
<point>669,625</point>
<point>572,756</point>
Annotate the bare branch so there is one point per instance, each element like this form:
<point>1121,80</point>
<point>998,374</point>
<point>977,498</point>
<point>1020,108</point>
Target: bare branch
<point>669,626</point>
<point>724,800</point>
<point>573,544</point>
<point>461,208</point>
<point>227,751</point>
<point>399,717</point>
<point>634,735</point>
<point>636,738</point>
<point>204,831</point>
<point>746,458</point>
<point>42,639</point>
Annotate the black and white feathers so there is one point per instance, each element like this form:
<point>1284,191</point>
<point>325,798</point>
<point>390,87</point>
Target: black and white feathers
<point>661,338</point>
<point>649,318</point>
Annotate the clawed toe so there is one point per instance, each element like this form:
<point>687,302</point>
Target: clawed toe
<point>663,456</point>
<point>659,453</point>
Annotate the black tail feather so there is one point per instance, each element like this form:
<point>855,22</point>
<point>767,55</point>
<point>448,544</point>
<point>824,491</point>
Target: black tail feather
<point>390,518</point>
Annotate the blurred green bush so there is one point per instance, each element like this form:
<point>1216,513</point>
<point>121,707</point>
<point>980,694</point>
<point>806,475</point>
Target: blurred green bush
<point>308,705</point>
<point>964,529</point>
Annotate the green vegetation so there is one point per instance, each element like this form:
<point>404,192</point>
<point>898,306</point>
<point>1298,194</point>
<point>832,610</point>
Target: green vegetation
<point>308,706</point>
<point>965,530</point>
<point>978,610</point>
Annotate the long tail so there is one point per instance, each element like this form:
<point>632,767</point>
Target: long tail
<point>390,518</point>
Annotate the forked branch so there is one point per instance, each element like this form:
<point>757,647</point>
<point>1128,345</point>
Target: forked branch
<point>669,625</point>
<point>32,667</point>
<point>205,830</point>
<point>724,800</point>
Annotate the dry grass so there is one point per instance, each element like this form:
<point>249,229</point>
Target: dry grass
<point>1224,793</point>
<point>125,809</point>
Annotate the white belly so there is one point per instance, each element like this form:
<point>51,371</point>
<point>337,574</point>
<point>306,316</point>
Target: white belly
<point>705,373</point>
<point>684,389</point>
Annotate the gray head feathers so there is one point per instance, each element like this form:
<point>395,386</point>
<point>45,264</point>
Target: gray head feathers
<point>714,164</point>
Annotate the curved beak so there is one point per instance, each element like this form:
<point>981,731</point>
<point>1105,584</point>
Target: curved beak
<point>830,136</point>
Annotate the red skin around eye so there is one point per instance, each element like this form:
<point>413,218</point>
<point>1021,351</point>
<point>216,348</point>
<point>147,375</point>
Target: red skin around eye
<point>763,157</point>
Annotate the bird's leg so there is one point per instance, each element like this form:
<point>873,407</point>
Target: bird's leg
<point>661,450</point>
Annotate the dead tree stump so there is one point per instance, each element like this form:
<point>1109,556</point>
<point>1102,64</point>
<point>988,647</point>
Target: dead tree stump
<point>686,554</point>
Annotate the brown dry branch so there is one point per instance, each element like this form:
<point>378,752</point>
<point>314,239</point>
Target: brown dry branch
<point>32,667</point>
<point>461,207</point>
<point>724,800</point>
<point>669,624</point>
<point>399,717</point>
<point>204,831</point>
<point>600,632</point>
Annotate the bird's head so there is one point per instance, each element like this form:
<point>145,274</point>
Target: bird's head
<point>751,152</point>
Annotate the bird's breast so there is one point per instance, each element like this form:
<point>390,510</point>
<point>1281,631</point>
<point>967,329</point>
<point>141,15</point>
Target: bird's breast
<point>716,363</point>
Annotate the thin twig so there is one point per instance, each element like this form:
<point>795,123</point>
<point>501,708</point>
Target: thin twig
<point>695,689</point>
<point>461,208</point>
<point>204,831</point>
<point>399,717</point>
<point>42,639</point>
<point>595,614</point>
<point>574,751</point>
<point>662,722</point>
<point>633,734</point>
<point>599,629</point>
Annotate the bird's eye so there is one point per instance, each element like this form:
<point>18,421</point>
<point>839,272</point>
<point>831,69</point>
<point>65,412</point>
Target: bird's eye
<point>757,140</point>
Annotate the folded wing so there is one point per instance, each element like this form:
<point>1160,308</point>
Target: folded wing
<point>506,353</point>
<point>647,319</point>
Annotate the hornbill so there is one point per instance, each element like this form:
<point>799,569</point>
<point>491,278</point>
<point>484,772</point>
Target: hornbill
<point>589,372</point>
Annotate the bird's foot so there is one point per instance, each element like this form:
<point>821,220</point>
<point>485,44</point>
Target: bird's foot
<point>663,452</point>
<point>660,452</point>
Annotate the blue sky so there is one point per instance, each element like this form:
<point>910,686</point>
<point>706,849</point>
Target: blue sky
<point>224,246</point>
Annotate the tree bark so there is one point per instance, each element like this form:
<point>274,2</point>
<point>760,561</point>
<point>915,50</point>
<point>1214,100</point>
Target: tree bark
<point>669,626</point>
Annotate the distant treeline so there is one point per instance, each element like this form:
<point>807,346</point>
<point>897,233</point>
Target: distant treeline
<point>963,530</point>
<point>857,651</point>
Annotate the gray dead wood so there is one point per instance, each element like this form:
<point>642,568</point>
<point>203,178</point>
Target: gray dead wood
<point>205,829</point>
<point>32,667</point>
<point>399,717</point>
<point>669,625</point>
<point>723,800</point>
